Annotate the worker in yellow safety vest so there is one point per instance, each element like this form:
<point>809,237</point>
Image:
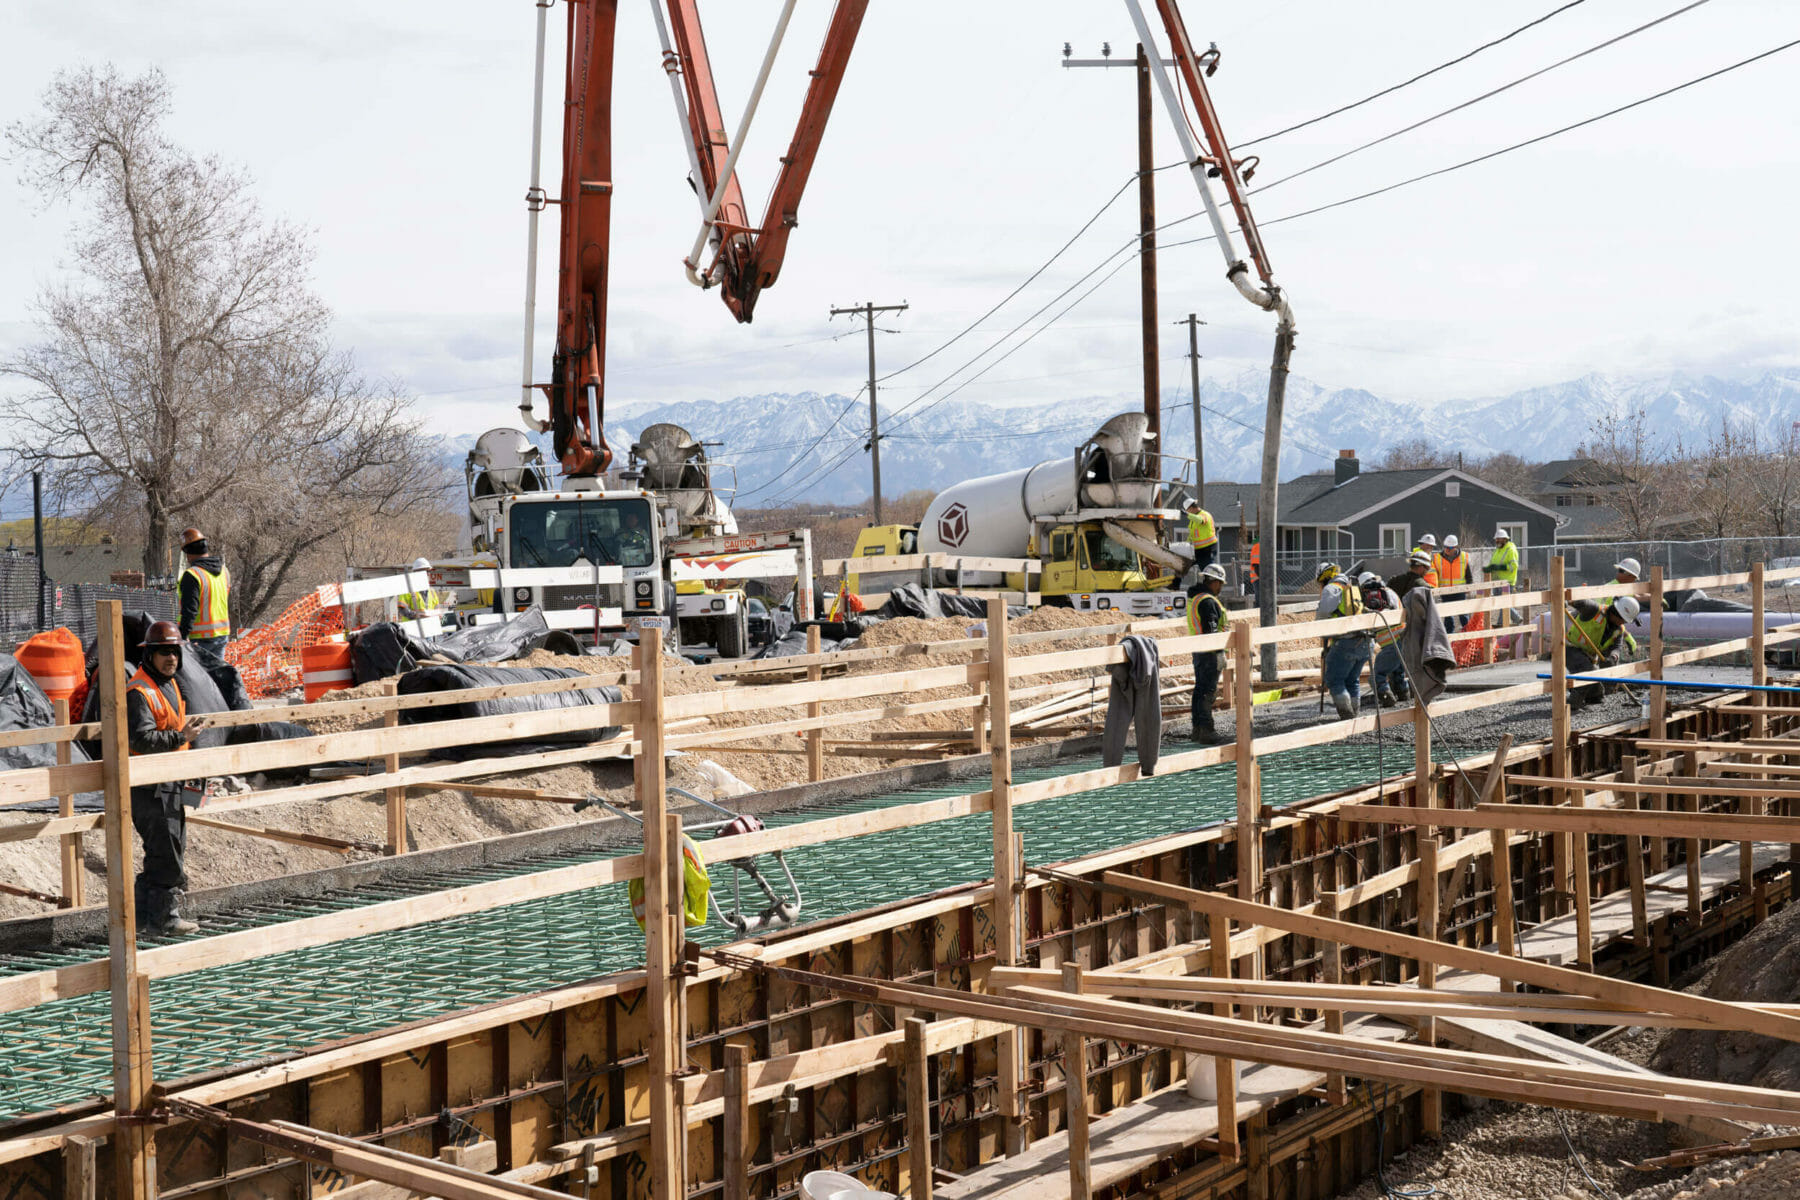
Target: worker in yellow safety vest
<point>157,722</point>
<point>1597,637</point>
<point>420,602</point>
<point>1203,534</point>
<point>205,593</point>
<point>1206,614</point>
<point>1503,563</point>
<point>1347,654</point>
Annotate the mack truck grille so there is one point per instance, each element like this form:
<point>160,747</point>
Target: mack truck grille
<point>556,598</point>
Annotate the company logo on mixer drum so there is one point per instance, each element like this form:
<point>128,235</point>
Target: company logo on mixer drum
<point>953,525</point>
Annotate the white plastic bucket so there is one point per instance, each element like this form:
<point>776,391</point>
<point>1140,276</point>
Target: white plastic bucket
<point>1203,1076</point>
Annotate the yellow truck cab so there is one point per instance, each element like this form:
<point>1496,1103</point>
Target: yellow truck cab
<point>884,541</point>
<point>1087,570</point>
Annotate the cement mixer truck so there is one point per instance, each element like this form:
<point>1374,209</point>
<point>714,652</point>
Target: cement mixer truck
<point>1091,520</point>
<point>663,521</point>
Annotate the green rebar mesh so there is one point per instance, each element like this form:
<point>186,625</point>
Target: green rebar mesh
<point>60,1053</point>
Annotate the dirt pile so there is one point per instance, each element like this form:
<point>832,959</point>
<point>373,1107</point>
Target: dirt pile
<point>1764,968</point>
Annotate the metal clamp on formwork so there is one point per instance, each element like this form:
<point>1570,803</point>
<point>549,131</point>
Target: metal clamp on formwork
<point>780,911</point>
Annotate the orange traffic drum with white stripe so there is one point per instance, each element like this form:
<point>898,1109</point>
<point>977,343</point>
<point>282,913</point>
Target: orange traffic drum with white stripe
<point>55,660</point>
<point>325,667</point>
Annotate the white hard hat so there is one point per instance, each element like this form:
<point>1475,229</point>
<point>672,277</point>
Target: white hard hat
<point>1630,566</point>
<point>1421,559</point>
<point>1500,535</point>
<point>1192,502</point>
<point>1450,542</point>
<point>1627,607</point>
<point>421,564</point>
<point>1428,540</point>
<point>1213,571</point>
<point>1368,579</point>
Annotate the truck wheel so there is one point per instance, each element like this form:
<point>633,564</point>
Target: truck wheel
<point>734,636</point>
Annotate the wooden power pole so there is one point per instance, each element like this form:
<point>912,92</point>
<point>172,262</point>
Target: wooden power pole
<point>867,312</point>
<point>1193,322</point>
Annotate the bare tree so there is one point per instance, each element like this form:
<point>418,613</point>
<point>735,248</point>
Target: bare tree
<point>1774,484</point>
<point>1412,454</point>
<point>1635,467</point>
<point>1709,484</point>
<point>1506,470</point>
<point>185,372</point>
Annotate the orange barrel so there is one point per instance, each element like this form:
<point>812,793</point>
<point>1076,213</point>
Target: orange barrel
<point>55,660</point>
<point>325,667</point>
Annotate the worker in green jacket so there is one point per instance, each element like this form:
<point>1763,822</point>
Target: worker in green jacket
<point>1597,637</point>
<point>1503,563</point>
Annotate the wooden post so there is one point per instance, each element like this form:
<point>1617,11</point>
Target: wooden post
<point>1504,917</point>
<point>134,1146</point>
<point>1659,701</point>
<point>1659,698</point>
<point>1009,934</point>
<point>662,915</point>
<point>1075,1098</point>
<point>1584,895</point>
<point>1690,767</point>
<point>1634,860</point>
<point>1333,971</point>
<point>1224,1069</point>
<point>1559,725</point>
<point>1759,723</point>
<point>737,1121</point>
<point>918,1109</point>
<point>815,738</point>
<point>1424,791</point>
<point>396,796</point>
<point>1431,1100</point>
<point>73,886</point>
<point>1249,839</point>
<point>78,1168</point>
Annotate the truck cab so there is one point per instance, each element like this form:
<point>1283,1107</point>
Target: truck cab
<point>580,526</point>
<point>1085,569</point>
<point>884,541</point>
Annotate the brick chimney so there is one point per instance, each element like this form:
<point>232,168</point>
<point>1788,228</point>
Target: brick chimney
<point>1348,467</point>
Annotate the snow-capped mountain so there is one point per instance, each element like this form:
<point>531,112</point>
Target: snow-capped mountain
<point>809,446</point>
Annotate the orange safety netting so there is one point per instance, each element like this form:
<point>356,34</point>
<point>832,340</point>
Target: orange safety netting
<point>268,656</point>
<point>1469,653</point>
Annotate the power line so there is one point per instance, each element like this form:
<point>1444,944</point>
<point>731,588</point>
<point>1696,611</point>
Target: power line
<point>1488,95</point>
<point>842,413</point>
<point>1388,91</point>
<point>1542,137</point>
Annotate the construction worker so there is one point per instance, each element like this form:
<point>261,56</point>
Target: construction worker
<point>1596,637</point>
<point>1389,673</point>
<point>205,591</point>
<point>1206,614</point>
<point>1627,570</point>
<point>1503,563</point>
<point>1203,534</point>
<point>420,602</point>
<point>634,542</point>
<point>1451,570</point>
<point>1418,566</point>
<point>1427,545</point>
<point>1347,654</point>
<point>157,722</point>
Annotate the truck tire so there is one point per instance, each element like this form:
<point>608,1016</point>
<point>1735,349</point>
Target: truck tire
<point>734,636</point>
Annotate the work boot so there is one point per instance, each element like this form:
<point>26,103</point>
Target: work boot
<point>1346,707</point>
<point>1206,735</point>
<point>162,913</point>
<point>1386,698</point>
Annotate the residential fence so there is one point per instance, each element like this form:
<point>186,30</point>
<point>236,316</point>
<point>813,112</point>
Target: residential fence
<point>71,605</point>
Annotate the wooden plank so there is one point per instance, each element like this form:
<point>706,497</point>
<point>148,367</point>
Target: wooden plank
<point>73,882</point>
<point>1431,1102</point>
<point>25,831</point>
<point>394,802</point>
<point>78,1167</point>
<point>662,913</point>
<point>134,1156</point>
<point>1225,1070</point>
<point>1249,840</point>
<point>1634,863</point>
<point>1649,999</point>
<point>1075,1098</point>
<point>1676,786</point>
<point>918,1110</point>
<point>1008,927</point>
<point>737,1121</point>
<point>1550,818</point>
<point>1561,846</point>
<point>317,841</point>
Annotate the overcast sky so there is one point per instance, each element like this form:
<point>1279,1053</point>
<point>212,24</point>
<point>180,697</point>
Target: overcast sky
<point>961,154</point>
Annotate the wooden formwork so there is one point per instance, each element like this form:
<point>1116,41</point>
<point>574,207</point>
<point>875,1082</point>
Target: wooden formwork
<point>608,1074</point>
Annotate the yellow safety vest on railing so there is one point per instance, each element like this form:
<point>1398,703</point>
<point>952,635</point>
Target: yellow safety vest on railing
<point>214,620</point>
<point>696,886</point>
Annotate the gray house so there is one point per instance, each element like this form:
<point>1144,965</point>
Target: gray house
<point>1351,513</point>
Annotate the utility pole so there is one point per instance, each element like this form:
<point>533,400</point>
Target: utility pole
<point>1146,221</point>
<point>1193,323</point>
<point>867,312</point>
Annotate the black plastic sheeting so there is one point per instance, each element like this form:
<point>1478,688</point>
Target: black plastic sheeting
<point>449,677</point>
<point>1700,602</point>
<point>385,649</point>
<point>23,705</point>
<point>793,643</point>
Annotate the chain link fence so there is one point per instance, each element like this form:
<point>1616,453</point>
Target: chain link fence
<point>71,605</point>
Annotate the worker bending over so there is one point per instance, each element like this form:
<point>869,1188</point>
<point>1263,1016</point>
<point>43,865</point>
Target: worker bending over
<point>1347,654</point>
<point>1206,614</point>
<point>205,599</point>
<point>1203,534</point>
<point>1597,638</point>
<point>1389,673</point>
<point>157,722</point>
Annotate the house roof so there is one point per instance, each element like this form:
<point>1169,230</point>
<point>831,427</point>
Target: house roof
<point>1577,473</point>
<point>1321,500</point>
<point>90,564</point>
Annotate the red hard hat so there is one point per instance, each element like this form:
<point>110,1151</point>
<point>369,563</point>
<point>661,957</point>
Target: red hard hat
<point>161,633</point>
<point>190,535</point>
